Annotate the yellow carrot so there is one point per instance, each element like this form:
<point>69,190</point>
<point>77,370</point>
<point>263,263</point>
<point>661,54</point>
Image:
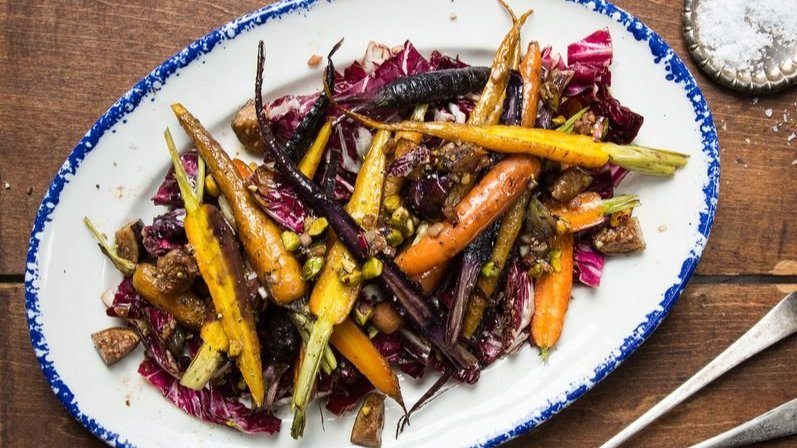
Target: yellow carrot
<point>331,299</point>
<point>220,263</point>
<point>309,163</point>
<point>355,345</point>
<point>260,236</point>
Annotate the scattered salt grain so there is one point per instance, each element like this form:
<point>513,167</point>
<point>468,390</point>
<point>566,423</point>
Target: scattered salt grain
<point>768,112</point>
<point>7,185</point>
<point>747,140</point>
<point>754,101</point>
<point>791,137</point>
<point>794,162</point>
<point>775,128</point>
<point>757,27</point>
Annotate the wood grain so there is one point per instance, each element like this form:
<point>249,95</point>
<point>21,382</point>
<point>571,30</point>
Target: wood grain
<point>63,63</point>
<point>705,321</point>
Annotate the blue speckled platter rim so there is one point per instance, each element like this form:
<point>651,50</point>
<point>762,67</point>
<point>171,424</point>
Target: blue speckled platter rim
<point>677,72</point>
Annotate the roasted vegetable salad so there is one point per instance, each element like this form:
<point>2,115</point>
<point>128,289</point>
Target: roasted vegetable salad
<point>414,215</point>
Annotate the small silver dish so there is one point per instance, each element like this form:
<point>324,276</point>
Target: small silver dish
<point>778,72</point>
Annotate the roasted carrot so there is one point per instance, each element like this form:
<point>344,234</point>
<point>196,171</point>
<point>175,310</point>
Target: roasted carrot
<point>489,108</point>
<point>332,299</point>
<point>531,72</point>
<point>355,345</point>
<point>309,163</point>
<point>588,209</point>
<point>431,278</point>
<point>573,149</point>
<point>275,266</point>
<point>208,358</point>
<point>492,97</point>
<point>485,203</point>
<point>186,307</point>
<point>552,297</point>
<point>221,265</point>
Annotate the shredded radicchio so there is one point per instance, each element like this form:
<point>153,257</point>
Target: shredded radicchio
<point>278,199</point>
<point>166,233</point>
<point>168,193</point>
<point>518,307</point>
<point>153,325</point>
<point>588,264</point>
<point>209,404</point>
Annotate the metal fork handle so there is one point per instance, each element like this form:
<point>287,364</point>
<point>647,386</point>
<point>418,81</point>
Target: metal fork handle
<point>773,424</point>
<point>778,323</point>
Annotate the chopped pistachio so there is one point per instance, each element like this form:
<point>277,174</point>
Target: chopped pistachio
<point>291,240</point>
<point>351,278</point>
<point>409,228</point>
<point>347,265</point>
<point>399,217</point>
<point>394,238</point>
<point>317,226</point>
<point>372,268</point>
<point>555,258</point>
<point>392,203</point>
<point>312,267</point>
<point>490,269</point>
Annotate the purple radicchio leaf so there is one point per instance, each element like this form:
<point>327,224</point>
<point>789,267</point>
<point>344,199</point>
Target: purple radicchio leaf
<point>168,193</point>
<point>154,328</point>
<point>427,195</point>
<point>209,404</point>
<point>489,345</point>
<point>127,303</point>
<point>518,307</point>
<point>439,61</point>
<point>589,58</point>
<point>607,179</point>
<point>286,112</point>
<point>166,233</point>
<point>414,158</point>
<point>348,387</point>
<point>399,351</point>
<point>278,199</point>
<point>407,61</point>
<point>551,59</point>
<point>588,264</point>
<point>624,123</point>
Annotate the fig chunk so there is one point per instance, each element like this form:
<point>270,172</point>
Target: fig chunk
<point>370,421</point>
<point>115,343</point>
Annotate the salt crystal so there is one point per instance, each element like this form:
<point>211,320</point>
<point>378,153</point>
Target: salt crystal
<point>790,138</point>
<point>768,112</point>
<point>754,101</point>
<point>775,128</point>
<point>757,27</point>
<point>747,140</point>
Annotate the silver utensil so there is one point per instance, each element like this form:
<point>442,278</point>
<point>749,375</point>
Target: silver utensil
<point>778,323</point>
<point>774,424</point>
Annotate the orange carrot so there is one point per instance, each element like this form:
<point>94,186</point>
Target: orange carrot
<point>242,168</point>
<point>589,209</point>
<point>355,345</point>
<point>431,278</point>
<point>531,71</point>
<point>552,297</point>
<point>485,203</point>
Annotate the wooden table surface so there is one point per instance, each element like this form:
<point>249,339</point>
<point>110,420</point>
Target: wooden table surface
<point>62,63</point>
